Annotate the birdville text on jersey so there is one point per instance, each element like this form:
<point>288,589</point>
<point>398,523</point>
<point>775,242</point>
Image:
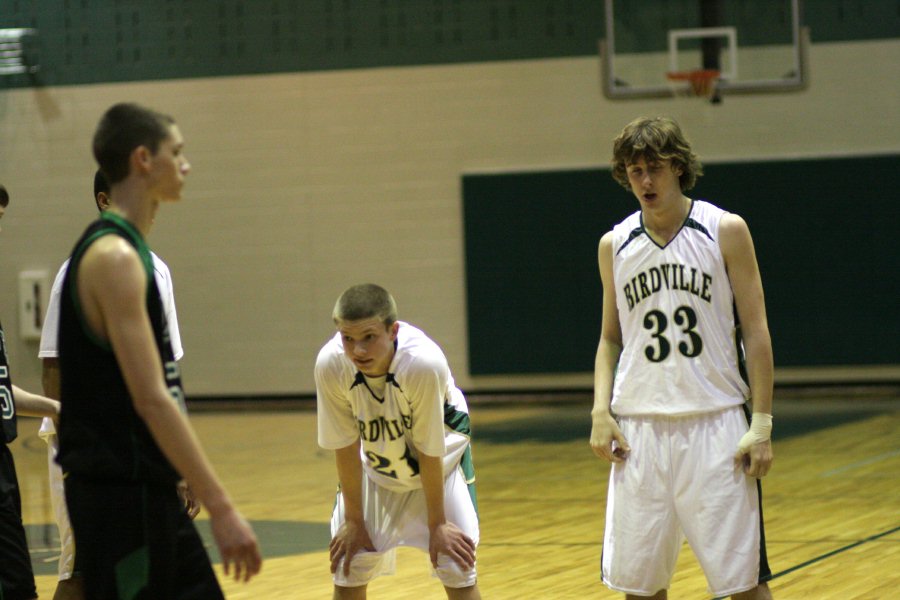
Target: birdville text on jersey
<point>381,427</point>
<point>669,276</point>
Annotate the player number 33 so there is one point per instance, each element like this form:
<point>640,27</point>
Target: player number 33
<point>656,322</point>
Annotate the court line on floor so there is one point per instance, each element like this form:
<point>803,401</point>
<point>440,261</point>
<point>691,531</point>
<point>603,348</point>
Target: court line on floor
<point>827,555</point>
<point>861,463</point>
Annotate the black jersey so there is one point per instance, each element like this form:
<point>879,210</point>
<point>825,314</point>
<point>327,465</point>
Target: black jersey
<point>6,394</point>
<point>100,434</point>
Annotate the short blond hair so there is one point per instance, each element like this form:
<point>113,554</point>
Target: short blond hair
<point>365,301</point>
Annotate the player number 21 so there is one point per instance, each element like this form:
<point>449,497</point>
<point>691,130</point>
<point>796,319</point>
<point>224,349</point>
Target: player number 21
<point>656,322</point>
<point>382,464</point>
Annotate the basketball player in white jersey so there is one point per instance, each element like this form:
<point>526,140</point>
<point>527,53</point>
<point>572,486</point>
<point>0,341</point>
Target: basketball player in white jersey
<point>399,426</point>
<point>682,300</point>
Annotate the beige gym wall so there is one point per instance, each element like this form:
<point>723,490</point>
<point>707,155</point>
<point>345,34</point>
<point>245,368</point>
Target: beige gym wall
<point>303,184</point>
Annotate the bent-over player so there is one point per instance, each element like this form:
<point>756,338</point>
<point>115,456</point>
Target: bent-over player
<point>388,406</point>
<point>681,290</point>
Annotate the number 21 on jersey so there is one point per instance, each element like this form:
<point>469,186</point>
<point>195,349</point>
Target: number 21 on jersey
<point>383,465</point>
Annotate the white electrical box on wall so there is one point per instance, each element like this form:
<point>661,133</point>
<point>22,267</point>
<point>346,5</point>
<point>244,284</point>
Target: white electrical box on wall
<point>34,292</point>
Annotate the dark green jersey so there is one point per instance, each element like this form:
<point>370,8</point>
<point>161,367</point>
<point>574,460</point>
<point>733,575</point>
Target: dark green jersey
<point>7,405</point>
<point>100,434</point>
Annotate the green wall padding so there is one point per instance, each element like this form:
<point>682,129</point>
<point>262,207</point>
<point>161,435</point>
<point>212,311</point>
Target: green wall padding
<point>89,41</point>
<point>94,41</point>
<point>825,232</point>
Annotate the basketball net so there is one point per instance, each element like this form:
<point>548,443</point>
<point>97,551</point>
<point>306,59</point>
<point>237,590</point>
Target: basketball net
<point>701,82</point>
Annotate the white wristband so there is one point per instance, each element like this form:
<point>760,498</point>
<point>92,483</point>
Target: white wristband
<point>760,431</point>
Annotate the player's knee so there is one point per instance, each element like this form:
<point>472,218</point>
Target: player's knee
<point>453,576</point>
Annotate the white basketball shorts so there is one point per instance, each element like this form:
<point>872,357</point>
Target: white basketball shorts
<point>58,501</point>
<point>680,481</point>
<point>401,519</point>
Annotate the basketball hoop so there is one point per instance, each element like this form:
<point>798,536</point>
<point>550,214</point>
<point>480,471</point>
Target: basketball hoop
<point>701,82</point>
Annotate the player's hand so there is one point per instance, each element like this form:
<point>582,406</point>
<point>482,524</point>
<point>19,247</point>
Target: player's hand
<point>237,544</point>
<point>191,504</point>
<point>757,460</point>
<point>607,440</point>
<point>351,538</point>
<point>754,451</point>
<point>449,539</point>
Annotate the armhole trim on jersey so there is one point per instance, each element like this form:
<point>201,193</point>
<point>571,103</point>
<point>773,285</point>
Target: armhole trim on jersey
<point>692,224</point>
<point>457,420</point>
<point>137,240</point>
<point>637,231</point>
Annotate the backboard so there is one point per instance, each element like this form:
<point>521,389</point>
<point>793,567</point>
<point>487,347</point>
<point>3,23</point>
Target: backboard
<point>756,45</point>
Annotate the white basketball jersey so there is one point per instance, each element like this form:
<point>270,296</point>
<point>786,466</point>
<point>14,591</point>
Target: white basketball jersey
<point>676,310</point>
<point>415,408</point>
<point>48,347</point>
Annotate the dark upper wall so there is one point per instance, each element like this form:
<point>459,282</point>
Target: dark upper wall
<point>92,41</point>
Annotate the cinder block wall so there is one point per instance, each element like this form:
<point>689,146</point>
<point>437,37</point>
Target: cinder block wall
<point>303,184</point>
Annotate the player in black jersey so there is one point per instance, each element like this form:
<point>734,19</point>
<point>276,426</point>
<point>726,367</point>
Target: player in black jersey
<point>16,575</point>
<point>124,438</point>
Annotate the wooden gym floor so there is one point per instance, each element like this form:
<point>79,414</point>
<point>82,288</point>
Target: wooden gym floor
<point>831,502</point>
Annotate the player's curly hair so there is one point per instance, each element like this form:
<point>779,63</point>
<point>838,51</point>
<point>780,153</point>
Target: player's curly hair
<point>655,139</point>
<point>365,301</point>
